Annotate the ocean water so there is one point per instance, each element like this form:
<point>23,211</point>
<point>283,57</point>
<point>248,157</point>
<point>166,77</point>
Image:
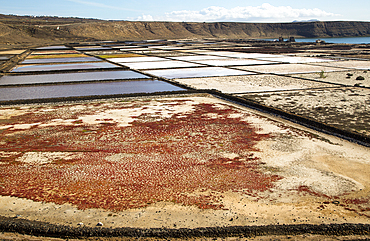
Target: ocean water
<point>345,40</point>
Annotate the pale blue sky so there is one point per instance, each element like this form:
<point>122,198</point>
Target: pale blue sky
<point>194,10</point>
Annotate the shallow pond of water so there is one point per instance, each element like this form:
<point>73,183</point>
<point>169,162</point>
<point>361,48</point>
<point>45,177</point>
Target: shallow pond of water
<point>53,47</point>
<point>136,59</point>
<point>55,67</point>
<point>92,48</point>
<point>160,65</point>
<point>196,72</point>
<point>60,60</point>
<point>71,77</point>
<point>234,62</point>
<point>91,89</point>
<point>55,52</point>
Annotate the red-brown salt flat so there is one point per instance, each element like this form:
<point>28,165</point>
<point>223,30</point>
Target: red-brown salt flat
<point>187,161</point>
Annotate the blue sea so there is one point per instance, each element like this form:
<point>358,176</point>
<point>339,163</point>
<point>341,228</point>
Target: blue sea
<point>346,40</point>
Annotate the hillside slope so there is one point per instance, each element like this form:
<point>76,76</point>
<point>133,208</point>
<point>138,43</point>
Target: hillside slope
<point>16,30</point>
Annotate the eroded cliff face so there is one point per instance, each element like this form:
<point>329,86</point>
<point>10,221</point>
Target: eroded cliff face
<point>28,30</point>
<point>167,30</point>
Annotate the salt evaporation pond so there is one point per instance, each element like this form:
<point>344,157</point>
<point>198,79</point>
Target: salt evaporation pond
<point>60,60</point>
<point>55,52</point>
<point>71,77</point>
<point>233,62</point>
<point>53,47</point>
<point>136,59</point>
<point>55,67</point>
<point>160,65</point>
<point>91,89</point>
<point>295,60</point>
<point>289,68</point>
<point>198,57</point>
<point>196,72</point>
<point>92,48</point>
<point>242,55</point>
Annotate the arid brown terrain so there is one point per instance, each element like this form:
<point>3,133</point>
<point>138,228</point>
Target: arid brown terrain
<point>18,31</point>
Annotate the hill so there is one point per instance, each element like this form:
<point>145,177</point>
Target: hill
<point>31,31</point>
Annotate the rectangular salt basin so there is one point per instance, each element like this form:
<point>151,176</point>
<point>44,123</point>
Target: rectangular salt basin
<point>167,47</point>
<point>198,58</point>
<point>241,55</point>
<point>117,46</point>
<point>53,47</point>
<point>92,48</point>
<point>288,68</point>
<point>11,52</point>
<point>168,54</point>
<point>139,50</point>
<point>60,60</point>
<point>251,55</point>
<point>350,64</point>
<point>233,62</point>
<point>52,56</point>
<point>55,52</point>
<point>194,50</point>
<point>340,77</point>
<point>70,77</point>
<point>296,60</point>
<point>160,65</point>
<point>3,58</point>
<point>251,83</point>
<point>129,47</point>
<point>135,59</point>
<point>196,72</point>
<point>91,89</point>
<point>118,55</point>
<point>55,67</point>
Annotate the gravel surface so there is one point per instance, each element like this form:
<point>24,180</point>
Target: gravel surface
<point>345,108</point>
<point>350,77</point>
<point>350,64</point>
<point>289,68</point>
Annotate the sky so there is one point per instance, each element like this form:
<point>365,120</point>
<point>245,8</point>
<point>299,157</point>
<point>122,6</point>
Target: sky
<point>195,10</point>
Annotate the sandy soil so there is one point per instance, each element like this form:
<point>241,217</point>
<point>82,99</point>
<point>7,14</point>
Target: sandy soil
<point>290,68</point>
<point>321,177</point>
<point>346,78</point>
<point>352,64</point>
<point>307,237</point>
<point>12,51</point>
<point>345,108</point>
<point>251,83</point>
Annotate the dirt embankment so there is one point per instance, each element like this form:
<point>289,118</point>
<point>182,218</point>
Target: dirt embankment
<point>30,31</point>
